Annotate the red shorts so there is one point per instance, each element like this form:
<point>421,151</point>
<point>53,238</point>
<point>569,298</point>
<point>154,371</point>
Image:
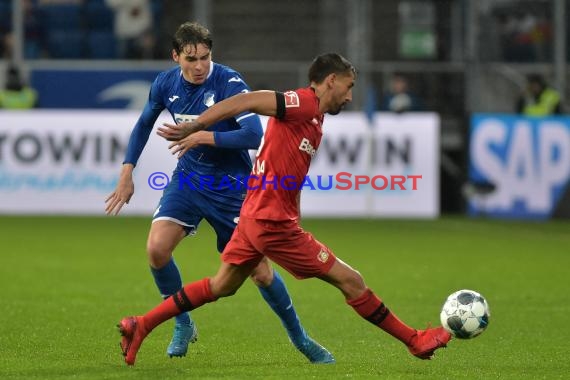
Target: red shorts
<point>283,242</point>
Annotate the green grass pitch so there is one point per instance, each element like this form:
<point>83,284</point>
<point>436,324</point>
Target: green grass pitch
<point>66,282</point>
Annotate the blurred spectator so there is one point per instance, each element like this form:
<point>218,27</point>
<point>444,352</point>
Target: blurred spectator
<point>33,30</point>
<point>133,28</point>
<point>60,2</point>
<point>5,29</point>
<point>16,94</point>
<point>525,37</point>
<point>399,98</point>
<point>173,13</point>
<point>539,99</point>
<point>6,45</point>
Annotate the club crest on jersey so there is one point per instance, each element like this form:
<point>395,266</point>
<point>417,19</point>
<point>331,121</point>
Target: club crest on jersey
<point>209,98</point>
<point>323,256</point>
<point>291,99</point>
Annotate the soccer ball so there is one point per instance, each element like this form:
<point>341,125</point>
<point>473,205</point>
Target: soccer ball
<point>465,314</point>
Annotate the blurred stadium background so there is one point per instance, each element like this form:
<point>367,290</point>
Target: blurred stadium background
<point>461,58</point>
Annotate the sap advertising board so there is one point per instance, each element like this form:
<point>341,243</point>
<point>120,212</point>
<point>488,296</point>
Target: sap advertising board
<point>528,162</point>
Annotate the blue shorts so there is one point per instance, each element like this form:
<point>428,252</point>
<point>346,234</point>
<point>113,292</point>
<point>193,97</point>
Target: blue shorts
<point>187,207</point>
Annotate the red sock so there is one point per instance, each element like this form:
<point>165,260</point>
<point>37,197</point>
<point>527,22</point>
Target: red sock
<point>371,308</point>
<point>191,297</point>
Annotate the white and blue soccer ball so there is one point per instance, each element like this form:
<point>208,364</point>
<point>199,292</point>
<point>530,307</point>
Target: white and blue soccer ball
<point>465,314</point>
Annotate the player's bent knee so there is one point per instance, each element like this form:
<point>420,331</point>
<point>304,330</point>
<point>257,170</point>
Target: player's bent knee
<point>350,282</point>
<point>262,275</point>
<point>358,281</point>
<point>262,279</point>
<point>158,256</point>
<point>163,237</point>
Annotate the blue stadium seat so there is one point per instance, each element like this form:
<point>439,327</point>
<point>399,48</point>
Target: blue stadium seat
<point>31,49</point>
<point>5,15</point>
<point>157,8</point>
<point>60,17</point>
<point>64,44</point>
<point>102,45</point>
<point>99,16</point>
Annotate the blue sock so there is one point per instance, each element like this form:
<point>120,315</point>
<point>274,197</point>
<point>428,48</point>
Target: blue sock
<point>277,297</point>
<point>169,281</point>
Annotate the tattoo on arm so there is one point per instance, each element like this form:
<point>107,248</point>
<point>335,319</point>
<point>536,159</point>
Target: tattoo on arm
<point>193,127</point>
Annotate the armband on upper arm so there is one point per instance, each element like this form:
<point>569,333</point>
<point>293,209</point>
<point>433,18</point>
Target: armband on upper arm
<point>280,99</point>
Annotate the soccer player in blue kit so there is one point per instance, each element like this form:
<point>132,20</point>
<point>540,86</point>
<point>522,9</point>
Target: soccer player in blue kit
<point>186,91</point>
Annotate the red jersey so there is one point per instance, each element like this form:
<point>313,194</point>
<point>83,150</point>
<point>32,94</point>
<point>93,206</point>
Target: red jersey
<point>284,157</point>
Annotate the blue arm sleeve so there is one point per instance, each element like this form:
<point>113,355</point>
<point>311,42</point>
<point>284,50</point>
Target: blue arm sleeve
<point>247,137</point>
<point>144,125</point>
<point>141,133</point>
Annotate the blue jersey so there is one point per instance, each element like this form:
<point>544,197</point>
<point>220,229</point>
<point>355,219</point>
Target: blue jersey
<point>182,202</point>
<point>185,102</point>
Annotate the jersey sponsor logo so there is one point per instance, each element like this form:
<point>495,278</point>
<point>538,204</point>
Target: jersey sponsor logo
<point>323,256</point>
<point>173,98</point>
<point>209,98</point>
<point>291,99</point>
<point>182,118</point>
<point>235,79</point>
<point>305,146</point>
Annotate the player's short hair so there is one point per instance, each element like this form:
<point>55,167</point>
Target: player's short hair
<point>191,33</point>
<point>329,63</point>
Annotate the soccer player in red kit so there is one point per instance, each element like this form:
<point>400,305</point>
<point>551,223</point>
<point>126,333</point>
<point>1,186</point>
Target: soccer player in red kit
<point>269,219</point>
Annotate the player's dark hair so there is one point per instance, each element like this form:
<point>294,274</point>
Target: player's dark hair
<point>191,33</point>
<point>329,63</point>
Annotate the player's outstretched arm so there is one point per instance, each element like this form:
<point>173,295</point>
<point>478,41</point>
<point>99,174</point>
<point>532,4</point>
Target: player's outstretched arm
<point>137,141</point>
<point>123,192</point>
<point>261,102</point>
